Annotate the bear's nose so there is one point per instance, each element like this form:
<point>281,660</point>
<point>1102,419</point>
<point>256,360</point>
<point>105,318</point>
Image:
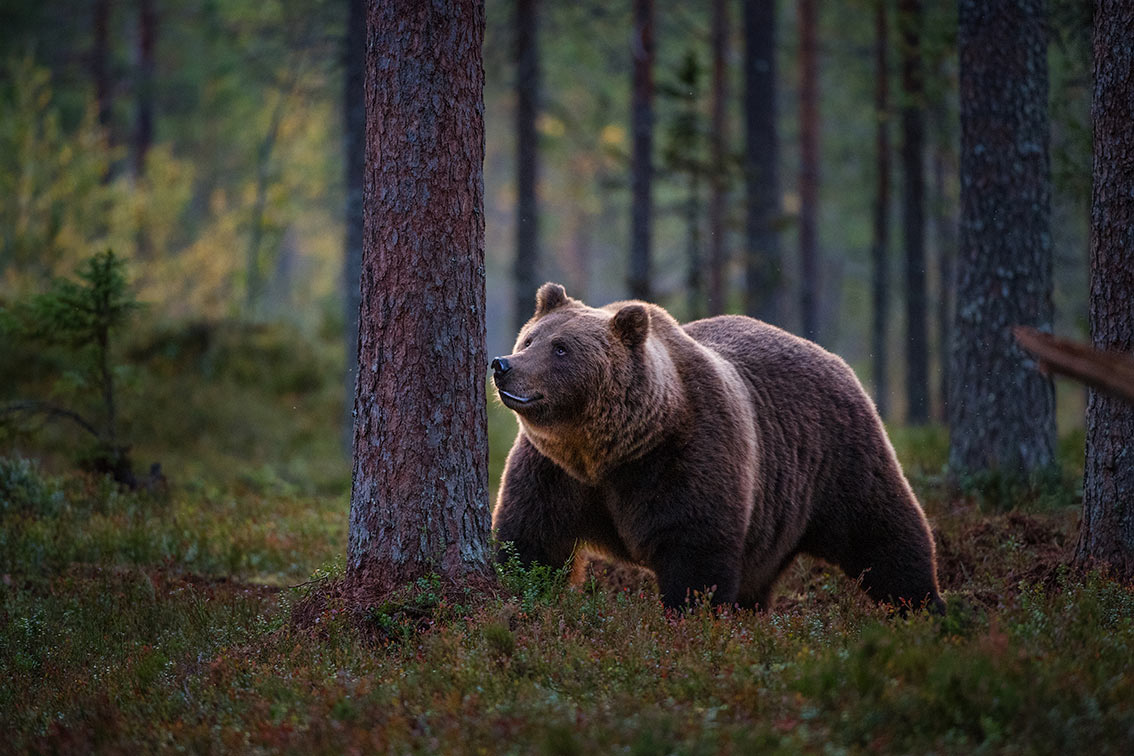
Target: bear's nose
<point>500,366</point>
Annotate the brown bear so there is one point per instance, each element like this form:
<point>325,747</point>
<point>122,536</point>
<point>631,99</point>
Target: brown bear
<point>711,453</point>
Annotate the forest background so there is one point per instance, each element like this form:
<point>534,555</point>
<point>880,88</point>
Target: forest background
<point>204,143</point>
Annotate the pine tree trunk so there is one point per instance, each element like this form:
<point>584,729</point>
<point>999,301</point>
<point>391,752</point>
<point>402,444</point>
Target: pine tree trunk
<point>763,265</point>
<point>144,127</point>
<point>881,246</point>
<point>809,169</point>
<point>1001,410</point>
<point>913,212</point>
<point>100,62</point>
<point>642,126</point>
<point>945,230</point>
<point>693,246</point>
<point>527,203</point>
<point>419,501</point>
<point>354,156</point>
<point>718,259</point>
<point>1107,531</point>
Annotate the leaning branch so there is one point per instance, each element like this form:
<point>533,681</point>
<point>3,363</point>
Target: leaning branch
<point>1111,372</point>
<point>50,411</point>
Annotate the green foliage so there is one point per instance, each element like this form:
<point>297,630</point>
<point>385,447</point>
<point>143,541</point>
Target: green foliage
<point>53,198</point>
<point>83,318</point>
<point>24,490</point>
<point>1042,490</point>
<point>125,626</point>
<point>533,585</point>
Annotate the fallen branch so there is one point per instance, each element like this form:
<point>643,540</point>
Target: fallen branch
<point>50,411</point>
<point>1110,372</point>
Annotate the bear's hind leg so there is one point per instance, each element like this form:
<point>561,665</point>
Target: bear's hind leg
<point>897,569</point>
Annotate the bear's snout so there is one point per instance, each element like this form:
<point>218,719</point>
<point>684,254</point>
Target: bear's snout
<point>500,366</point>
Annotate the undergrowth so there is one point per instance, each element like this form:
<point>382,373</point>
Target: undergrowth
<point>162,620</point>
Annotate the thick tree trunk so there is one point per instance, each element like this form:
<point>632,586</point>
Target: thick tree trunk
<point>354,156</point>
<point>880,249</point>
<point>718,257</point>
<point>527,154</point>
<point>763,265</point>
<point>1001,411</point>
<point>1107,531</point>
<point>419,501</point>
<point>642,126</point>
<point>913,212</point>
<point>809,284</point>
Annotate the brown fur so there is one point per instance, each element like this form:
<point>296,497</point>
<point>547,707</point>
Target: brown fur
<point>711,453</point>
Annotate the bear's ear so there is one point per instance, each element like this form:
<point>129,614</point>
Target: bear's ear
<point>549,296</point>
<point>631,324</point>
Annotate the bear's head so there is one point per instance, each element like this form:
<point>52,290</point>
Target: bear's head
<point>583,376</point>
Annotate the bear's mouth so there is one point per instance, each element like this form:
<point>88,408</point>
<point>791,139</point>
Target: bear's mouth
<point>515,399</point>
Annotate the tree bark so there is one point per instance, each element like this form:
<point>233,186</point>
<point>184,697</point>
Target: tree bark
<point>945,230</point>
<point>419,500</point>
<point>642,126</point>
<point>144,127</point>
<point>527,154</point>
<point>809,169</point>
<point>763,265</point>
<point>1001,411</point>
<point>880,284</point>
<point>354,157</point>
<point>913,212</point>
<point>100,62</point>
<point>718,256</point>
<point>693,244</point>
<point>1106,534</point>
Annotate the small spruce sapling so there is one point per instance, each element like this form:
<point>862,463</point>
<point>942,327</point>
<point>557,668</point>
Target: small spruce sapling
<point>82,317</point>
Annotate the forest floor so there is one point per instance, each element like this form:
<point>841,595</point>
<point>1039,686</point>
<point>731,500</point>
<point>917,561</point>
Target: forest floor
<point>162,620</point>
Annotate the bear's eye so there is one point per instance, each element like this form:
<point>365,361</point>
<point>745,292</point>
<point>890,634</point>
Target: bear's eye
<point>527,342</point>
<point>560,350</point>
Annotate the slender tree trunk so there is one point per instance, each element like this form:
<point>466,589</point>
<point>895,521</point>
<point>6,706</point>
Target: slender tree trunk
<point>913,212</point>
<point>718,255</point>
<point>144,128</point>
<point>527,163</point>
<point>881,247</point>
<point>810,285</point>
<point>1001,410</point>
<point>1106,534</point>
<point>763,265</point>
<point>354,155</point>
<point>254,267</point>
<point>642,120</point>
<point>419,501</point>
<point>100,62</point>
<point>945,225</point>
<point>693,245</point>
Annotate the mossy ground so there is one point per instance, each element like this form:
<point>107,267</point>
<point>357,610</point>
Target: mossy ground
<point>161,620</point>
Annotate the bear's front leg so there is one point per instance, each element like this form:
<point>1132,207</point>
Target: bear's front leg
<point>690,570</point>
<point>541,510</point>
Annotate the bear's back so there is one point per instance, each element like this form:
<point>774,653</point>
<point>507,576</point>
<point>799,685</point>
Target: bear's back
<point>779,366</point>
